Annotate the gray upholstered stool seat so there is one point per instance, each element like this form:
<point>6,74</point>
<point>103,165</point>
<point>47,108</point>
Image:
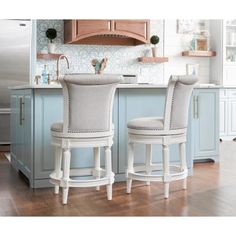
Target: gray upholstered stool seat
<point>151,126</point>
<point>57,131</point>
<point>58,127</point>
<point>146,123</point>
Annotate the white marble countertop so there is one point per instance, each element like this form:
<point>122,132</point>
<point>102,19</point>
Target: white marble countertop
<point>58,86</point>
<point>228,86</point>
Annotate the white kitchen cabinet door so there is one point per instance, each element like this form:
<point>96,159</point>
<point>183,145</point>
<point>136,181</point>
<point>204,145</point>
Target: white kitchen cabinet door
<point>232,117</point>
<point>223,117</point>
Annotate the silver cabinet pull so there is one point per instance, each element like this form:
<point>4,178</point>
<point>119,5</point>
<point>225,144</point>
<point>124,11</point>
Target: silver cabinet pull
<point>197,107</point>
<point>194,107</point>
<point>21,110</point>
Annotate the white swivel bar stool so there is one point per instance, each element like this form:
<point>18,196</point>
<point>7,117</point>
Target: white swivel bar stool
<point>87,122</point>
<point>167,130</point>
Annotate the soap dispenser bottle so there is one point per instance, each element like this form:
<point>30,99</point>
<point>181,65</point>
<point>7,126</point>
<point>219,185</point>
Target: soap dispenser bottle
<point>45,75</point>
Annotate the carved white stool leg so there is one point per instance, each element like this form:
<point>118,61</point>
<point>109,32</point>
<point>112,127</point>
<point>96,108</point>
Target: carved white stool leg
<point>130,167</point>
<point>58,157</point>
<point>166,170</point>
<point>96,153</point>
<point>148,160</point>
<point>66,174</point>
<point>109,173</point>
<point>183,164</point>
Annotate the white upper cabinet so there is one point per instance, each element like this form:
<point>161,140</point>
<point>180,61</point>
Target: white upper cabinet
<point>223,40</point>
<point>230,41</point>
<point>229,52</point>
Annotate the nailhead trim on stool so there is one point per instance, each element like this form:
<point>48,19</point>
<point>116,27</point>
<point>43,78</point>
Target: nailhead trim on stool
<point>87,122</point>
<point>167,130</point>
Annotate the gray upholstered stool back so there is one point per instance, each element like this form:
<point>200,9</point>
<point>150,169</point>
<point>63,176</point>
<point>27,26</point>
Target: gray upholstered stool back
<point>177,101</point>
<point>88,102</point>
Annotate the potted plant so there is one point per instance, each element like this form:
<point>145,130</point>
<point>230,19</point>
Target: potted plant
<point>51,34</point>
<point>154,41</point>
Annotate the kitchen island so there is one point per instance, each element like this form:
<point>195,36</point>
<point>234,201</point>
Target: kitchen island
<point>36,107</point>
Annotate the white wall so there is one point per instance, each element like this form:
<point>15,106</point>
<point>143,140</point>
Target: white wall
<point>174,44</point>
<point>216,63</point>
<point>123,59</point>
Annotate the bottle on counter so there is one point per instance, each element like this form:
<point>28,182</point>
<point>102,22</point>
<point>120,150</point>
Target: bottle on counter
<point>37,79</point>
<point>44,75</point>
<point>49,79</point>
<point>193,44</point>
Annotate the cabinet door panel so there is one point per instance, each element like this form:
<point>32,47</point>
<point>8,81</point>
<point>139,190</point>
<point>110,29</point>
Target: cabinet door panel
<point>21,138</point>
<point>231,93</point>
<point>69,30</point>
<point>14,118</point>
<point>223,117</point>
<point>27,128</point>
<point>232,117</point>
<point>137,27</point>
<point>20,133</point>
<point>206,124</point>
<point>14,129</point>
<point>47,110</point>
<point>85,27</point>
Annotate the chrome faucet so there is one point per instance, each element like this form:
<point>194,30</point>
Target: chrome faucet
<point>58,65</point>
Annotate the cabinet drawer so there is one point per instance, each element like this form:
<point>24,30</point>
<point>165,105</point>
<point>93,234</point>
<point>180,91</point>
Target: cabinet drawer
<point>231,93</point>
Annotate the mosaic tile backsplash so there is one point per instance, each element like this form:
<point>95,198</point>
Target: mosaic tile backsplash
<point>121,59</point>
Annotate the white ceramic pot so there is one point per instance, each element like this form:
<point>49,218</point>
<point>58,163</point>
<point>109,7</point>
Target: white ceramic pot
<point>51,47</point>
<point>154,51</point>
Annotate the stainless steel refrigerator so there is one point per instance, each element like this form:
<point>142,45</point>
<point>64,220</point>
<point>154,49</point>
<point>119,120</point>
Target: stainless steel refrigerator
<point>15,41</point>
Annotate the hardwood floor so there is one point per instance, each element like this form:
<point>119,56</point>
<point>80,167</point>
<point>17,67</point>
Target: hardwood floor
<point>211,192</point>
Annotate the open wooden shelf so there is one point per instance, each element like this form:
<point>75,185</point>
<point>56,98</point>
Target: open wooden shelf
<point>153,59</point>
<point>48,56</point>
<point>199,53</point>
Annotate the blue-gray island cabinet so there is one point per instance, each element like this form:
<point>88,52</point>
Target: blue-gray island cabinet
<point>34,109</point>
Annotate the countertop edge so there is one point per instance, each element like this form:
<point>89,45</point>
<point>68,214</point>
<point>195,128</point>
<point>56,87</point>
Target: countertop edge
<point>128,86</point>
